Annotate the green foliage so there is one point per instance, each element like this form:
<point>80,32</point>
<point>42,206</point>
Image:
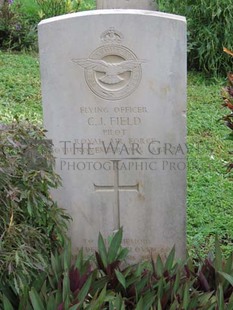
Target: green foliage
<point>19,87</point>
<point>50,8</point>
<point>31,225</point>
<point>29,9</point>
<point>227,95</point>
<point>210,28</point>
<point>209,209</point>
<point>164,285</point>
<point>16,31</point>
<point>87,5</point>
<point>19,19</point>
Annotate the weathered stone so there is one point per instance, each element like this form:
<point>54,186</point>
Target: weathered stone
<point>127,4</point>
<point>114,100</point>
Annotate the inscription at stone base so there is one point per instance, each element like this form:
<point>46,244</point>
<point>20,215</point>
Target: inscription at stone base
<point>136,248</point>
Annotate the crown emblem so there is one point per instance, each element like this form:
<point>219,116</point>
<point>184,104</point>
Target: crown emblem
<point>112,36</point>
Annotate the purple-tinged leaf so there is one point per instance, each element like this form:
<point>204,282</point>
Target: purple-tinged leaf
<point>99,262</point>
<point>203,281</point>
<point>111,268</point>
<point>83,279</point>
<point>61,306</point>
<point>74,276</point>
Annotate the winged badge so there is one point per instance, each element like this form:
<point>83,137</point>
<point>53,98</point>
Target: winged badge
<point>112,70</point>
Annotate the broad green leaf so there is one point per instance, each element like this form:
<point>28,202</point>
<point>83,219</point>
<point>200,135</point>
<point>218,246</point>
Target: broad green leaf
<point>114,246</point>
<point>51,303</point>
<point>58,298</point>
<point>159,305</point>
<point>79,260</point>
<point>177,283</point>
<point>220,298</point>
<point>203,300</point>
<point>170,260</point>
<point>120,278</point>
<point>55,265</point>
<point>101,298</point>
<point>66,286</point>
<point>160,288</point>
<point>186,297</point>
<point>24,302</point>
<point>67,302</point>
<point>140,305</point>
<point>229,264</point>
<point>159,266</point>
<point>230,304</point>
<point>148,300</point>
<point>74,307</point>
<point>174,305</point>
<point>193,304</point>
<point>128,271</point>
<point>226,276</point>
<point>6,304</point>
<point>218,255</point>
<point>123,254</point>
<point>43,289</point>
<point>118,302</point>
<point>36,300</point>
<point>84,291</point>
<point>98,300</point>
<point>99,284</point>
<point>102,250</point>
<point>140,285</point>
<point>40,281</point>
<point>67,256</point>
<point>139,269</point>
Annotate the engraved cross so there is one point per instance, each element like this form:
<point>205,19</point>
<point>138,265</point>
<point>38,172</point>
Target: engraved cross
<point>116,188</point>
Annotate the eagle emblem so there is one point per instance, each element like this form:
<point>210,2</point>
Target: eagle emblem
<point>111,71</point>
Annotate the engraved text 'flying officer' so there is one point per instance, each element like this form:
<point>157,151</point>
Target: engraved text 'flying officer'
<point>111,70</point>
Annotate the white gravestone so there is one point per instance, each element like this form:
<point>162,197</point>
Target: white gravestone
<point>126,4</point>
<point>114,100</point>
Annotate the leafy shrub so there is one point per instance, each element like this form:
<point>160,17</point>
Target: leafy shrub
<point>107,284</point>
<point>29,9</point>
<point>31,224</point>
<point>16,31</point>
<point>19,19</point>
<point>87,5</point>
<point>210,28</point>
<point>227,94</point>
<point>50,8</point>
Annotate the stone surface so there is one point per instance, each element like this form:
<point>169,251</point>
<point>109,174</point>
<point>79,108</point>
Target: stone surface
<point>114,100</point>
<point>127,4</point>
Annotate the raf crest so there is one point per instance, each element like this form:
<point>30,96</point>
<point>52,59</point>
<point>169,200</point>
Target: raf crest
<point>112,71</point>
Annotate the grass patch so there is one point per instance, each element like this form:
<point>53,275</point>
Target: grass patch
<point>209,187</point>
<point>20,87</point>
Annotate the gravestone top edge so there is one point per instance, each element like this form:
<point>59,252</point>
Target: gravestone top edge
<point>114,12</point>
